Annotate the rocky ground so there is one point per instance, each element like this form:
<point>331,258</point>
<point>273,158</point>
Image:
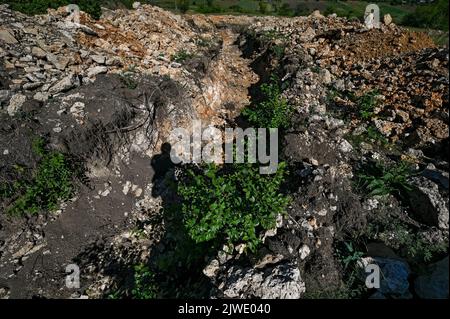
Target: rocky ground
<point>108,93</point>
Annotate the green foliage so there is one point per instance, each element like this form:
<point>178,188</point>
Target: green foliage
<point>409,243</point>
<point>128,77</point>
<point>366,104</point>
<point>434,16</point>
<point>183,5</point>
<point>349,256</point>
<point>144,283</point>
<point>285,10</point>
<point>263,6</point>
<point>51,183</point>
<point>273,112</point>
<point>181,56</point>
<point>371,136</point>
<point>379,179</point>
<point>233,203</point>
<point>32,7</point>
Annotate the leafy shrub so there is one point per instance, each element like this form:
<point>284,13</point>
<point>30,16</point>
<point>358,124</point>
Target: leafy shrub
<point>379,179</point>
<point>51,183</point>
<point>234,203</point>
<point>274,111</point>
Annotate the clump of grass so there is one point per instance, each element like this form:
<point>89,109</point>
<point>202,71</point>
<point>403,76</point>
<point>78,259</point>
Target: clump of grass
<point>128,77</point>
<point>378,179</point>
<point>181,56</point>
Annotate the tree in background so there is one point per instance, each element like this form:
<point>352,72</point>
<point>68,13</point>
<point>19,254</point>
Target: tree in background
<point>183,5</point>
<point>434,16</point>
<point>263,6</point>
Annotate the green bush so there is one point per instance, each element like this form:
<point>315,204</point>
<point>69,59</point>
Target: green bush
<point>434,16</point>
<point>273,112</point>
<point>32,7</point>
<point>51,183</point>
<point>233,203</point>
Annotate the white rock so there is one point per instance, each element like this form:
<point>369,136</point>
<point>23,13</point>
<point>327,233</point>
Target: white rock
<point>100,59</point>
<point>304,252</point>
<point>16,103</point>
<point>97,70</point>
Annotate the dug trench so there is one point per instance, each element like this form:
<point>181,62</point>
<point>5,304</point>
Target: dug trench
<point>119,211</point>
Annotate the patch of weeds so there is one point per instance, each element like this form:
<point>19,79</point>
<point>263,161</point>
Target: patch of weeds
<point>366,105</point>
<point>181,56</point>
<point>315,69</point>
<point>378,179</point>
<point>202,42</point>
<point>274,111</point>
<point>128,77</point>
<point>278,50</point>
<point>401,237</point>
<point>349,257</point>
<point>144,285</point>
<point>270,35</point>
<point>52,182</point>
<point>371,136</point>
<point>231,203</point>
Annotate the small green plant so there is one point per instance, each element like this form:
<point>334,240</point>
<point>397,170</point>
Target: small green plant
<point>181,56</point>
<point>128,77</point>
<point>233,203</point>
<point>366,104</point>
<point>379,179</point>
<point>400,236</point>
<point>144,283</point>
<point>350,257</point>
<point>51,183</point>
<point>278,50</point>
<point>274,111</point>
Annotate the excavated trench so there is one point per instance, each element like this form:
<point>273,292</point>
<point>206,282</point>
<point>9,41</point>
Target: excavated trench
<point>124,185</point>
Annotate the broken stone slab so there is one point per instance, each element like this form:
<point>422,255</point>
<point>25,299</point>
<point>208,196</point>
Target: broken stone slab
<point>281,282</point>
<point>427,203</point>
<point>387,19</point>
<point>7,37</point>
<point>59,62</point>
<point>100,59</point>
<point>16,103</point>
<point>38,52</point>
<point>96,70</point>
<point>394,275</point>
<point>434,283</point>
<point>65,84</point>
